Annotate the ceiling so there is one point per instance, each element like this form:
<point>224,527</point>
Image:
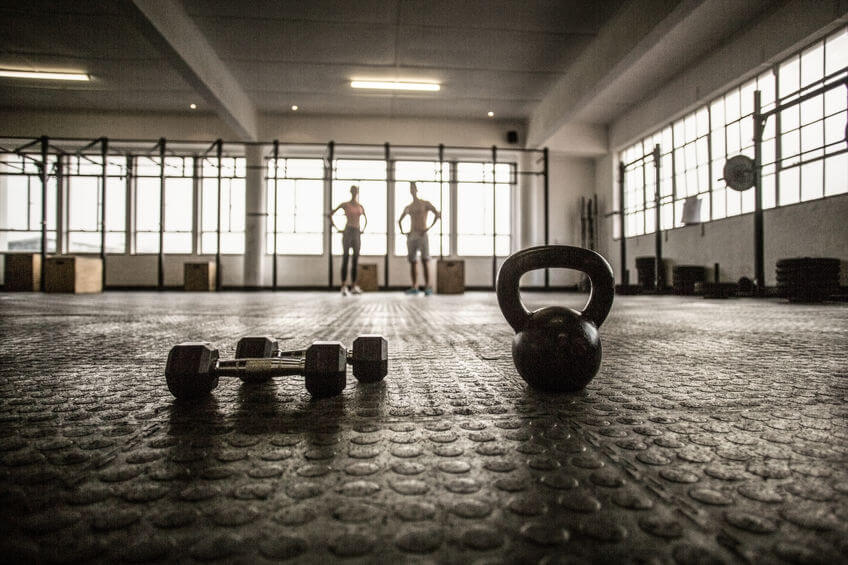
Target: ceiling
<point>565,68</point>
<point>489,55</point>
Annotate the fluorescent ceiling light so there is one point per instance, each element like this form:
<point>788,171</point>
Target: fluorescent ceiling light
<point>395,85</point>
<point>48,75</point>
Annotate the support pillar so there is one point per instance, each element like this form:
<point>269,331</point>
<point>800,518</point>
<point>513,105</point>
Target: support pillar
<point>759,240</point>
<point>659,270</point>
<point>546,212</point>
<point>256,212</point>
<point>625,274</point>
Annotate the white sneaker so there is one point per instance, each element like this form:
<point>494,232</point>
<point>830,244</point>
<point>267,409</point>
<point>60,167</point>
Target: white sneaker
<point>356,289</point>
<point>345,290</point>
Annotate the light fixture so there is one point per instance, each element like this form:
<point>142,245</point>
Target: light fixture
<point>43,75</point>
<point>395,85</point>
<point>294,107</point>
<point>491,114</point>
<point>193,106</point>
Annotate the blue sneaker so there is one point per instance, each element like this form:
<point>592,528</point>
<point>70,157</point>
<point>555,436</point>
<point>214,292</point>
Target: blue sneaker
<point>411,290</point>
<point>428,291</point>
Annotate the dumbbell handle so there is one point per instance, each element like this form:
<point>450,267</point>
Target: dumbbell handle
<point>299,353</point>
<point>260,367</point>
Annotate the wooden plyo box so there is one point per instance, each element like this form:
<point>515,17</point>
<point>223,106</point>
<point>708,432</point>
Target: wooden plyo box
<point>22,272</point>
<point>199,276</point>
<point>367,277</point>
<point>450,276</point>
<point>73,274</point>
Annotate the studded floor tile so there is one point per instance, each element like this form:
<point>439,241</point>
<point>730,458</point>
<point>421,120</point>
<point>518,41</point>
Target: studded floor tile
<point>715,432</point>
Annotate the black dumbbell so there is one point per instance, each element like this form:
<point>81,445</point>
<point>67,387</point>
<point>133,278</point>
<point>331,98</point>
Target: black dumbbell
<point>193,369</point>
<point>369,356</point>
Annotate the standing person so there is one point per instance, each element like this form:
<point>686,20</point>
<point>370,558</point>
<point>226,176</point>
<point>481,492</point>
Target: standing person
<point>353,210</point>
<point>416,238</point>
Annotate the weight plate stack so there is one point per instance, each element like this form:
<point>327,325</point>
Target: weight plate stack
<point>645,273</point>
<point>628,289</point>
<point>715,289</point>
<point>684,278</point>
<point>808,279</point>
<point>745,287</point>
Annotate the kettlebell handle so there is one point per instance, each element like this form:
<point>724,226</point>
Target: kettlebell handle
<point>555,256</point>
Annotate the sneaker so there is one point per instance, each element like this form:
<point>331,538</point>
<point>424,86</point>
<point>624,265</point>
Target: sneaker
<point>345,290</point>
<point>356,289</point>
<point>411,290</point>
<point>428,291</point>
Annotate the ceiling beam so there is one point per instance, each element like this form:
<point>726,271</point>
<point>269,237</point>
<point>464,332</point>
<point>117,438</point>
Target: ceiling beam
<point>170,29</point>
<point>639,49</point>
<point>624,38</point>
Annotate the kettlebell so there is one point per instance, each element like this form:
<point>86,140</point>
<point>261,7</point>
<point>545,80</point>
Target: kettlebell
<point>556,349</point>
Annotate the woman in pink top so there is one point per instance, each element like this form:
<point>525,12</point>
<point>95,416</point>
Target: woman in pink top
<point>350,237</point>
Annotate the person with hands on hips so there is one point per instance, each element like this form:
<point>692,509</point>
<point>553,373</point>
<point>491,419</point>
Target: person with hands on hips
<point>353,210</point>
<point>416,238</point>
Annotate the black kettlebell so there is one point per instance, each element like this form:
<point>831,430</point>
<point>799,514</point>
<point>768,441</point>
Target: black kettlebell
<point>556,349</point>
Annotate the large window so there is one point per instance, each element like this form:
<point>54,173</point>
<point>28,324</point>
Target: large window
<point>179,199</point>
<point>297,207</point>
<point>147,205</point>
<point>815,128</point>
<point>177,202</point>
<point>484,203</point>
<point>232,205</point>
<point>690,166</point>
<point>732,133</point>
<point>640,184</point>
<point>370,177</point>
<point>433,186</point>
<point>20,205</point>
<point>85,203</point>
<point>801,167</point>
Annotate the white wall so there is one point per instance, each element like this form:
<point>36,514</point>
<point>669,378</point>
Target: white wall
<point>570,179</point>
<point>91,125</point>
<point>287,128</point>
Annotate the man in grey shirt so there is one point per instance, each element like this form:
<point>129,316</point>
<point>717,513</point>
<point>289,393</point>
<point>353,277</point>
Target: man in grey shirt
<point>416,238</point>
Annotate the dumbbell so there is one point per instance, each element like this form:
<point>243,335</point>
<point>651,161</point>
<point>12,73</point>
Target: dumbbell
<point>193,369</point>
<point>369,356</point>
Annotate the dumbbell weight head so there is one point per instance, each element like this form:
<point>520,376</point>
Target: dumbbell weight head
<point>325,368</point>
<point>190,368</point>
<point>370,358</point>
<point>255,347</point>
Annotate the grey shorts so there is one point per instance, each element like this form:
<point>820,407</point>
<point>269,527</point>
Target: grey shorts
<point>416,242</point>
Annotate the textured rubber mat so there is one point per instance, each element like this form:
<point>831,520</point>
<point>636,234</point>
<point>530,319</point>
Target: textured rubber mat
<point>715,432</point>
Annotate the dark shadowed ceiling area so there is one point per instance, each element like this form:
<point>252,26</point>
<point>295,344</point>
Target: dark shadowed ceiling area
<point>488,55</point>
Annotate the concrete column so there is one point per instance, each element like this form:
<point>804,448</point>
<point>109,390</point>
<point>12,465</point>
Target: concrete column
<point>532,219</point>
<point>256,212</point>
<point>4,211</point>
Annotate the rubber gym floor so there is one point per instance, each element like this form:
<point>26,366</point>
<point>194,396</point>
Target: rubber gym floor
<point>716,431</point>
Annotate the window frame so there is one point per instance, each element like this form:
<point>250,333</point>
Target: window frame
<point>238,172</point>
<point>271,202</point>
<point>510,184</point>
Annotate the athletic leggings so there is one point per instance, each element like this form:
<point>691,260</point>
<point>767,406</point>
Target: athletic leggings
<point>350,241</point>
